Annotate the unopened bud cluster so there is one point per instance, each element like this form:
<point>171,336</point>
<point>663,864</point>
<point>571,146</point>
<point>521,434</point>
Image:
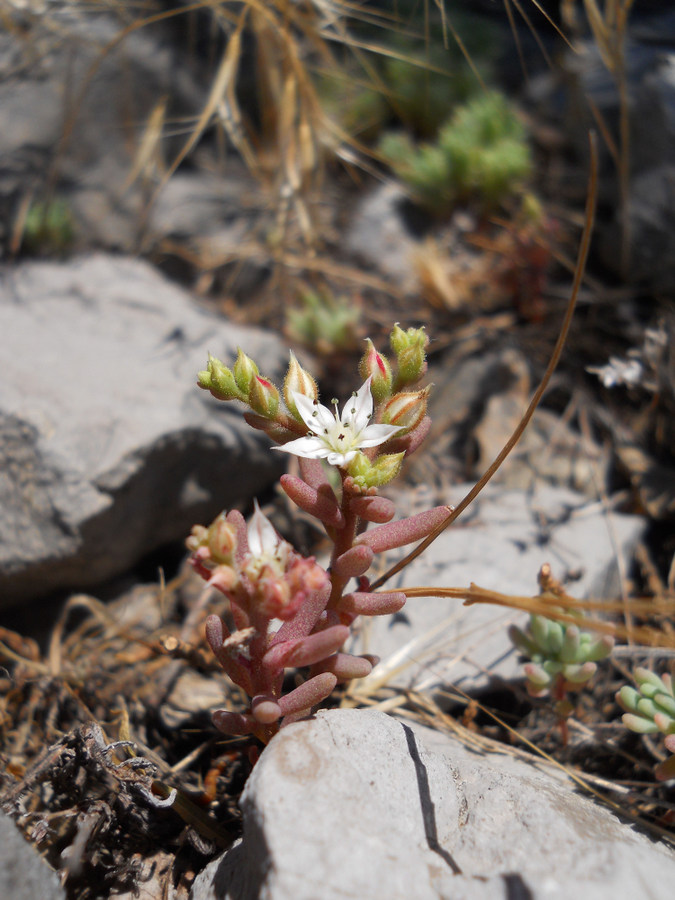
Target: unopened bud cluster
<point>651,710</point>
<point>299,424</point>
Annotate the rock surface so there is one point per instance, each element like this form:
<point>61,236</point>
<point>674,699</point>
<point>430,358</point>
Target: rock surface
<point>23,875</point>
<point>357,804</point>
<point>110,450</point>
<point>75,101</point>
<point>500,543</point>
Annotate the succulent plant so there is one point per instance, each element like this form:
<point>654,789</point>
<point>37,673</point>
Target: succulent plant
<point>481,154</point>
<point>325,323</point>
<point>651,710</point>
<point>559,653</point>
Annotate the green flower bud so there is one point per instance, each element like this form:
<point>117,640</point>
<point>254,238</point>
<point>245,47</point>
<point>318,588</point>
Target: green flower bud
<point>377,367</point>
<point>412,364</point>
<point>218,379</point>
<point>244,370</point>
<point>409,347</point>
<point>367,474</point>
<point>299,380</point>
<point>263,397</point>
<point>401,340</point>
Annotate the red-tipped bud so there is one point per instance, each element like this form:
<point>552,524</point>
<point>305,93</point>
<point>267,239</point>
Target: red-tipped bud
<point>263,397</point>
<point>299,380</point>
<point>406,409</point>
<point>377,367</point>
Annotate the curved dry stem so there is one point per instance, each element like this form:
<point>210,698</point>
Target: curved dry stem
<point>551,609</point>
<point>553,362</point>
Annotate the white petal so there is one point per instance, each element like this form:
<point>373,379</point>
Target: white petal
<point>307,447</point>
<point>359,408</point>
<point>377,434</point>
<point>262,536</point>
<point>340,459</point>
<point>305,407</point>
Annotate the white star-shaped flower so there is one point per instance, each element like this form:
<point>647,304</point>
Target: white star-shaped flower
<point>266,547</point>
<point>335,438</point>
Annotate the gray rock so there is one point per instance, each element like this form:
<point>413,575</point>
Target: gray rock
<point>378,237</point>
<point>652,229</point>
<point>70,99</point>
<point>23,874</point>
<point>500,543</point>
<point>110,450</point>
<point>356,804</point>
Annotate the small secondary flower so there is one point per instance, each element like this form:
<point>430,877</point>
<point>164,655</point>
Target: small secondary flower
<point>338,438</point>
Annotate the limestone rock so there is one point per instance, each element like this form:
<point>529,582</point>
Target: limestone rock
<point>357,804</point>
<point>23,875</point>
<point>500,543</point>
<point>110,450</point>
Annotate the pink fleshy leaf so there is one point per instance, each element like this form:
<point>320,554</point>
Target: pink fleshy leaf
<point>355,561</point>
<point>318,646</point>
<point>265,709</point>
<point>276,657</point>
<point>233,723</point>
<point>308,694</point>
<point>372,604</point>
<point>344,666</point>
<point>216,634</point>
<point>313,473</point>
<point>306,617</point>
<point>277,432</point>
<point>235,518</point>
<point>373,509</point>
<point>405,531</point>
<point>411,441</point>
<point>320,503</point>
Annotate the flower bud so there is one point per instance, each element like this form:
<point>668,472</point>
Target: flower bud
<point>221,541</point>
<point>218,379</point>
<point>409,347</point>
<point>367,474</point>
<point>263,397</point>
<point>377,367</point>
<point>412,364</point>
<point>401,340</point>
<point>244,370</point>
<point>299,380</point>
<point>406,409</point>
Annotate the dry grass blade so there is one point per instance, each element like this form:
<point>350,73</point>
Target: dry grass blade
<point>515,437</point>
<point>609,32</point>
<point>148,155</point>
<point>223,81</point>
